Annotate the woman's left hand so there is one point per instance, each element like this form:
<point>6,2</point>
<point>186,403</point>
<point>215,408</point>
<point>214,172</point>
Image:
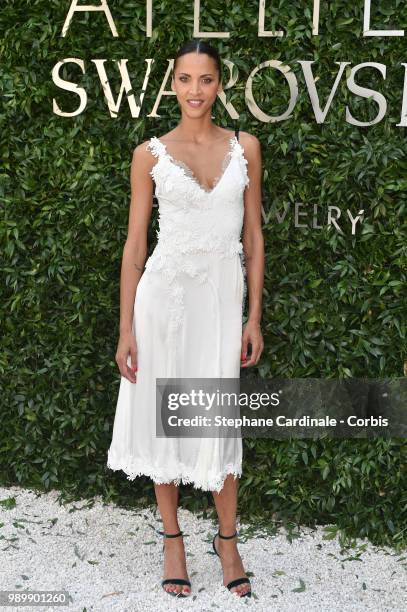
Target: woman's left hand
<point>251,335</point>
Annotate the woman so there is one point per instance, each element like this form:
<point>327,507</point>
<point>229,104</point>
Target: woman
<point>185,319</point>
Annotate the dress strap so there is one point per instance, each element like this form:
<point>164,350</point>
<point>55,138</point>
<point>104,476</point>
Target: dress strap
<point>240,149</point>
<point>156,147</point>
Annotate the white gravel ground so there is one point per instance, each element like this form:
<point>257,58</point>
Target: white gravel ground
<point>108,558</point>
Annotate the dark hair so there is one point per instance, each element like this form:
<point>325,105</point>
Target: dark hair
<point>200,46</point>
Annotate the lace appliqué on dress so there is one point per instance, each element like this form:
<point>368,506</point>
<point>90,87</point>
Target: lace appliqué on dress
<point>155,146</point>
<point>181,220</point>
<point>163,475</point>
<point>190,174</point>
<point>159,150</point>
<point>244,163</point>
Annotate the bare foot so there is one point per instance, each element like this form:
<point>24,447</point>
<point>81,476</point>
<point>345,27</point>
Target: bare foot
<point>175,564</point>
<point>231,564</point>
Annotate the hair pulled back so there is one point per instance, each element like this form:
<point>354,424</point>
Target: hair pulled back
<point>200,46</point>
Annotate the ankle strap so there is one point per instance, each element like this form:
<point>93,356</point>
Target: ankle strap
<point>170,535</point>
<point>227,537</point>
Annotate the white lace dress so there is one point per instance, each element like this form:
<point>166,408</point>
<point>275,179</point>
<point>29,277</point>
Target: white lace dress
<point>187,320</point>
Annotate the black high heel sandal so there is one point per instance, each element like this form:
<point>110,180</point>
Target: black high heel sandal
<point>181,581</point>
<point>238,581</point>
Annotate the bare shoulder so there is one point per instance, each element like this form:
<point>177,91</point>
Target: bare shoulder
<point>142,150</point>
<point>250,143</point>
<point>143,156</point>
<point>251,147</point>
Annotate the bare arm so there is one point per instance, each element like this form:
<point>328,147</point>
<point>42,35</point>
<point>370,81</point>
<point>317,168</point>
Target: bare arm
<point>253,245</point>
<point>134,253</point>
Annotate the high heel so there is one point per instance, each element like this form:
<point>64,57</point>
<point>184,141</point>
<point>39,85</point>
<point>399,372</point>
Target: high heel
<point>177,581</point>
<point>233,583</point>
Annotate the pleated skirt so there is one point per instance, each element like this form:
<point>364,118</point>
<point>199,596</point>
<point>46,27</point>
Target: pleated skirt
<point>187,324</point>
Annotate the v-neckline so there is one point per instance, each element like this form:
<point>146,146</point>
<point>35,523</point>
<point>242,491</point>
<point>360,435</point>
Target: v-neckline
<point>189,174</point>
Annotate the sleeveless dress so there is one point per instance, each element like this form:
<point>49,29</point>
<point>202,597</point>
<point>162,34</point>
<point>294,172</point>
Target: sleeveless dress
<point>187,320</point>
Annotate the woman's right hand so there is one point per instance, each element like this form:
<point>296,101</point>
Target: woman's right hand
<point>127,345</point>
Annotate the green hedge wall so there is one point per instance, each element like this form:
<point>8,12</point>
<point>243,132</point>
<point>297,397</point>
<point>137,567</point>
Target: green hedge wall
<point>334,304</point>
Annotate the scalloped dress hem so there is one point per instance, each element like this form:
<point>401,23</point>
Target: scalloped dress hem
<point>181,474</point>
